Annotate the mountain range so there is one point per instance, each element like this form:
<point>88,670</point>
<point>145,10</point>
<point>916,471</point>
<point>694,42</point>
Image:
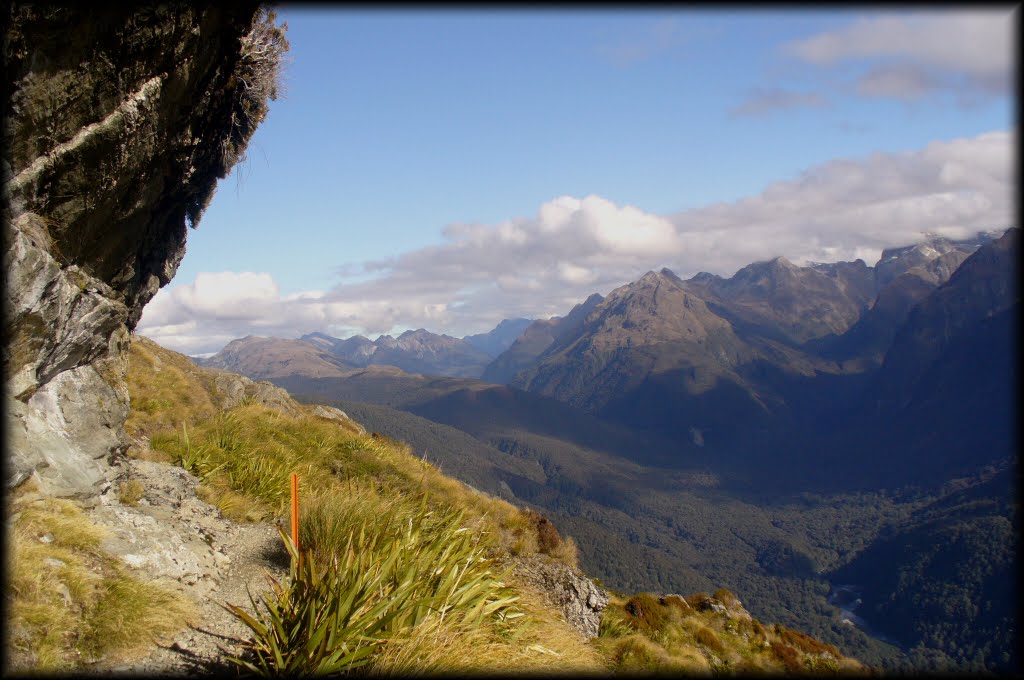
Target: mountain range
<point>767,430</point>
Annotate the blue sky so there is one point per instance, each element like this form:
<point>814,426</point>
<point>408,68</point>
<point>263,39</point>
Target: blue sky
<point>577,149</point>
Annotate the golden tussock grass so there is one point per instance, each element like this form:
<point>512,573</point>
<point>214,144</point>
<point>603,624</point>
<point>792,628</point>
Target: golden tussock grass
<point>69,601</point>
<point>644,633</point>
<point>166,389</point>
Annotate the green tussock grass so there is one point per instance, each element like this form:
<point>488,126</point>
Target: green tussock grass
<point>130,491</point>
<point>251,452</point>
<point>71,603</point>
<point>372,491</point>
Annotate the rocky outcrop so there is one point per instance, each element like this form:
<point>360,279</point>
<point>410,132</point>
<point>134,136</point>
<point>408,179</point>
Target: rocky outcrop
<point>118,124</point>
<point>579,599</point>
<point>235,389</point>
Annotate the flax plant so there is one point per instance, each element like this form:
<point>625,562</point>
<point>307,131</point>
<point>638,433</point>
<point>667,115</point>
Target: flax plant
<point>345,600</point>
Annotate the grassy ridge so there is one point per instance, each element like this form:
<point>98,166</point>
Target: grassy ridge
<point>419,553</point>
<point>403,569</point>
<point>362,495</point>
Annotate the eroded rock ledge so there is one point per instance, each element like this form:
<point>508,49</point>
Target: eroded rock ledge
<point>118,124</point>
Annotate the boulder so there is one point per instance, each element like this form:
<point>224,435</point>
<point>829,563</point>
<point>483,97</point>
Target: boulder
<point>337,414</point>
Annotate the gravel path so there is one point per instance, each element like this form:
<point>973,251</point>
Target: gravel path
<point>204,648</point>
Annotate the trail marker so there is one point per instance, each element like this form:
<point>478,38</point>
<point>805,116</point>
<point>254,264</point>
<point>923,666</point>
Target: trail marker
<point>295,510</point>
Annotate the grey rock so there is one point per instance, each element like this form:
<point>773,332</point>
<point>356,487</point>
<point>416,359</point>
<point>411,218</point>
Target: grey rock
<point>236,389</point>
<point>579,598</point>
<point>711,604</point>
<point>175,538</point>
<point>337,414</point>
<point>679,600</point>
<point>65,594</point>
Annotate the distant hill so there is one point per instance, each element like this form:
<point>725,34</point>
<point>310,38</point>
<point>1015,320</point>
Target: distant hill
<point>903,277</point>
<point>418,351</point>
<point>321,355</point>
<point>943,402</point>
<point>779,300</point>
<point>267,358</point>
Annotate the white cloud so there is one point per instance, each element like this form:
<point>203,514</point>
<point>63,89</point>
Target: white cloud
<point>541,266</point>
<point>835,210</point>
<point>912,54</point>
<point>570,273</point>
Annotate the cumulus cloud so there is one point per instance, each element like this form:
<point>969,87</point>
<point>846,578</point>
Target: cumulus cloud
<point>762,101</point>
<point>909,55</point>
<point>542,265</point>
<point>856,207</point>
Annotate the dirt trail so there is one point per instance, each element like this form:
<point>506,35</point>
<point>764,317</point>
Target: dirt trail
<point>173,537</point>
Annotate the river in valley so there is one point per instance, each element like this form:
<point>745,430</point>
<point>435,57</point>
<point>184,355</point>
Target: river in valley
<point>847,598</point>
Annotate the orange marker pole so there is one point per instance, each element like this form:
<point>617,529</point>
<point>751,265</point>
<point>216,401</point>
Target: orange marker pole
<point>295,510</point>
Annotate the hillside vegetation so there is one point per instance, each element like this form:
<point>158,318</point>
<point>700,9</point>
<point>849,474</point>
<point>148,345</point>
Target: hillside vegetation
<point>402,568</point>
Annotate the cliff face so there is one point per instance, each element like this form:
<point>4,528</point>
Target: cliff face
<point>117,126</point>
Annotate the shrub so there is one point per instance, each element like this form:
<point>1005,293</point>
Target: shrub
<point>789,657</point>
<point>567,552</point>
<point>637,653</point>
<point>727,597</point>
<point>646,613</point>
<point>805,643</point>
<point>547,535</point>
<point>547,539</point>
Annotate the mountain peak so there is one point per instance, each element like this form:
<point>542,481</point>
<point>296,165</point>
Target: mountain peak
<point>781,262</point>
<point>318,334</point>
<point>704,277</point>
<point>658,276</point>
